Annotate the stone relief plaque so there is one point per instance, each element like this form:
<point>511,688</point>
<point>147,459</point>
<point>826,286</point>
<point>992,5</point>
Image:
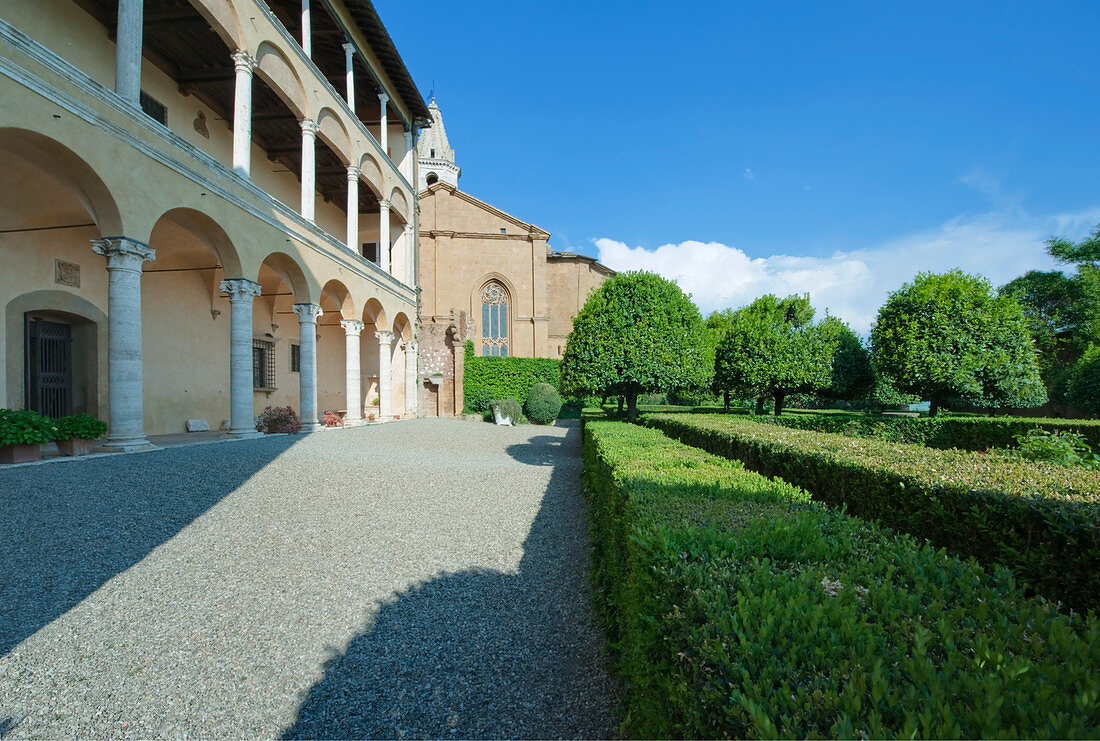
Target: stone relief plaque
<point>66,273</point>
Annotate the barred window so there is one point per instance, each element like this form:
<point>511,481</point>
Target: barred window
<point>295,358</point>
<point>494,321</point>
<point>153,108</point>
<point>263,365</point>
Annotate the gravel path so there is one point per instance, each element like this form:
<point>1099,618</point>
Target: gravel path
<point>420,579</point>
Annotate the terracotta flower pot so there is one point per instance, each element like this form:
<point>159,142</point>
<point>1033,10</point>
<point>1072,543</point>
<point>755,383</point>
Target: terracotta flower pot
<point>75,446</point>
<point>19,453</point>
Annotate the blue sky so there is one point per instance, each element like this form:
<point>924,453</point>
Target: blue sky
<point>751,147</point>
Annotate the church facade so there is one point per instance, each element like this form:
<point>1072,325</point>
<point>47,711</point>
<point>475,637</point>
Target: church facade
<point>486,277</point>
<point>207,207</point>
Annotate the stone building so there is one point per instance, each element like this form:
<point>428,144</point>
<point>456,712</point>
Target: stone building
<point>207,208</point>
<point>485,276</point>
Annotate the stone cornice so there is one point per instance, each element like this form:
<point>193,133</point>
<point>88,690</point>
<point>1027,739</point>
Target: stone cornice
<point>333,248</point>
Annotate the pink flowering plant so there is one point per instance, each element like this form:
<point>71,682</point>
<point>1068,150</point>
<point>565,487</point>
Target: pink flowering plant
<point>332,419</point>
<point>279,419</point>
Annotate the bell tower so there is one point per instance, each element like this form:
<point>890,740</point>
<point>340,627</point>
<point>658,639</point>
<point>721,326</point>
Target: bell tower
<point>435,158</point>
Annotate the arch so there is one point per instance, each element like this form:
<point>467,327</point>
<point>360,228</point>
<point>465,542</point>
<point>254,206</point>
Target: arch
<point>66,304</point>
<point>331,129</point>
<point>431,178</point>
<point>68,168</point>
<point>336,292</point>
<point>374,313</point>
<point>222,17</point>
<point>207,231</point>
<point>372,174</point>
<point>288,269</point>
<point>280,75</point>
<point>399,204</point>
<point>402,327</point>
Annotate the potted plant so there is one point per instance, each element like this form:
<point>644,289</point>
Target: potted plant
<point>76,434</point>
<point>278,419</point>
<point>22,433</point>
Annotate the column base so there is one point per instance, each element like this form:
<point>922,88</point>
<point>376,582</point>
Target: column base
<point>354,422</point>
<point>127,444</point>
<point>312,426</point>
<point>248,433</point>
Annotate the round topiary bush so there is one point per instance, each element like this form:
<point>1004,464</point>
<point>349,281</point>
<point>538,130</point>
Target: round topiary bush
<point>543,404</point>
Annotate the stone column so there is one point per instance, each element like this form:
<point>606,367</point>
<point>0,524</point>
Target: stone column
<point>353,208</point>
<point>307,374</point>
<point>410,155</point>
<point>410,255</point>
<point>349,71</point>
<point>307,33</point>
<point>128,51</point>
<point>124,363</point>
<point>353,397</point>
<point>411,395</point>
<point>243,63</point>
<point>385,342</point>
<point>384,234</point>
<point>309,168</point>
<point>241,293</point>
<point>385,134</point>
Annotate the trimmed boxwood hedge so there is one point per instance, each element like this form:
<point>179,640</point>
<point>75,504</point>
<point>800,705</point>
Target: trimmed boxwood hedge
<point>735,607</point>
<point>1041,520</point>
<point>967,433</point>
<point>485,379</point>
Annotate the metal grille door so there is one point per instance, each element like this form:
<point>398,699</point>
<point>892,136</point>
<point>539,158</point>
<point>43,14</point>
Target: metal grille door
<point>50,365</point>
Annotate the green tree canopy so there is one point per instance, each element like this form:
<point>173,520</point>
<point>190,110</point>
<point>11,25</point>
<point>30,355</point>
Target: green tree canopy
<point>1083,253</point>
<point>951,337</point>
<point>638,333</point>
<point>771,349</point>
<point>852,376</point>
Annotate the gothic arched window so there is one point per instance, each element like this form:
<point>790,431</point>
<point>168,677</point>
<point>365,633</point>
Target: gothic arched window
<point>494,320</point>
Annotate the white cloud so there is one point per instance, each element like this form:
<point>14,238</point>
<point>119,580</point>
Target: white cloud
<point>749,174</point>
<point>853,284</point>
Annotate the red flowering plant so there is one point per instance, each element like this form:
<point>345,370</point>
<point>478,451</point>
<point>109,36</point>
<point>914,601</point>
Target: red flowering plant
<point>332,419</point>
<point>278,419</point>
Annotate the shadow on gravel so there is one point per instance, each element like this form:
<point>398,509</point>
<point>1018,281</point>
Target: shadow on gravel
<point>482,654</point>
<point>543,450</point>
<point>69,527</point>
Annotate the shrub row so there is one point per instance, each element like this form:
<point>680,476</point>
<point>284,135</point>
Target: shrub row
<point>1041,520</point>
<point>735,607</point>
<point>967,433</point>
<point>485,379</point>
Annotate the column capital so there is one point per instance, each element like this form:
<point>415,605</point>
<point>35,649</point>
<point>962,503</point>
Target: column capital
<point>384,204</point>
<point>408,228</point>
<point>383,98</point>
<point>353,173</point>
<point>410,346</point>
<point>243,61</point>
<point>307,313</point>
<point>349,49</point>
<point>352,326</point>
<point>385,337</point>
<point>240,289</point>
<point>309,127</point>
<point>123,253</point>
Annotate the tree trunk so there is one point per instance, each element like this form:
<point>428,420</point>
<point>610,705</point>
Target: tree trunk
<point>779,397</point>
<point>632,406</point>
<point>620,405</point>
<point>933,407</point>
<point>726,401</point>
<point>759,406</point>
